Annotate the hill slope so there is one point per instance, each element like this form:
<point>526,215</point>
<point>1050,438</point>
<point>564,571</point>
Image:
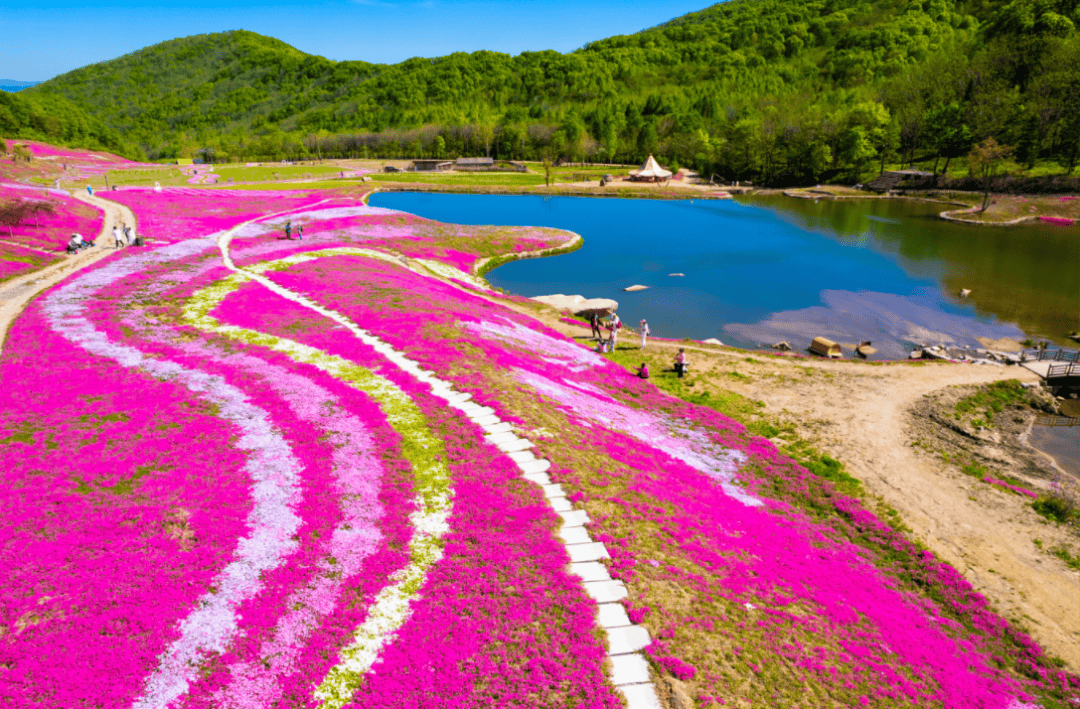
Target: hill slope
<point>772,89</point>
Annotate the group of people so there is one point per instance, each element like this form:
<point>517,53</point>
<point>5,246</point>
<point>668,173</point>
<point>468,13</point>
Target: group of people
<point>613,325</point>
<point>125,236</point>
<point>680,366</point>
<point>289,229</point>
<point>77,243</point>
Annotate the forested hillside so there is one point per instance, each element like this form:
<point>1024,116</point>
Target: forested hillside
<point>773,90</point>
<point>56,119</point>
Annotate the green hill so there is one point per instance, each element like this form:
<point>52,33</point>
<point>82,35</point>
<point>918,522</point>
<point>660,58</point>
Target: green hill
<point>774,90</point>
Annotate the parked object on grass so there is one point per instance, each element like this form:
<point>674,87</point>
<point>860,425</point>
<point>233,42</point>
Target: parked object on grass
<point>965,292</point>
<point>784,346</point>
<point>826,348</point>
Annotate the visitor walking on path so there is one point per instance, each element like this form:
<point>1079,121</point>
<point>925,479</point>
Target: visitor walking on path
<point>644,332</point>
<point>116,237</point>
<point>288,230</point>
<point>595,323</point>
<point>90,190</point>
<point>643,371</point>
<point>680,363</point>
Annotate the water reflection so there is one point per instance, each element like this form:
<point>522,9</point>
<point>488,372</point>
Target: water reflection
<point>1028,274</point>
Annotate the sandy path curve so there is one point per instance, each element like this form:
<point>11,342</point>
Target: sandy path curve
<point>16,293</point>
<point>860,415</point>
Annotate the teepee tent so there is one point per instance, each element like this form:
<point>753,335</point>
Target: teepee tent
<point>651,170</point>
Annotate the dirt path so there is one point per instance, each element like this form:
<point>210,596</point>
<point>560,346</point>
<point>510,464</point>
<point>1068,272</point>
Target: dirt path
<point>16,293</point>
<point>860,415</point>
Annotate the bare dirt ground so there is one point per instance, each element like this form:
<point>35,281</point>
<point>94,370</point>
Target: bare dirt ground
<point>864,415</point>
<point>17,292</point>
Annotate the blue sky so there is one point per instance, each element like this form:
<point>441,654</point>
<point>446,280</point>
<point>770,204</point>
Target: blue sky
<point>43,38</point>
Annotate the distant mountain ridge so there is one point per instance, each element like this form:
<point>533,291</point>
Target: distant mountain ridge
<point>774,89</point>
<point>13,85</point>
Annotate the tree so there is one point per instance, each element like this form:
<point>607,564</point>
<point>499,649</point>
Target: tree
<point>21,152</point>
<point>952,138</point>
<point>12,214</point>
<point>985,160</point>
<point>38,208</point>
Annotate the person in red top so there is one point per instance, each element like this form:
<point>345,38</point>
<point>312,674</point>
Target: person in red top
<point>643,371</point>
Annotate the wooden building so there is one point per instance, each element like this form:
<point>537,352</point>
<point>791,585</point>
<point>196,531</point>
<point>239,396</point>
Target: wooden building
<point>431,165</point>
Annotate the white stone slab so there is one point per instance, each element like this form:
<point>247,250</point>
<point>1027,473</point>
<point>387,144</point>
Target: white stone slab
<point>482,411</point>
<point>629,638</point>
<point>538,478</point>
<point>590,570</point>
<point>606,591</point>
<point>592,551</point>
<point>488,420</point>
<point>468,407</point>
<point>629,669</point>
<point>640,696</point>
<point>520,457</point>
<point>535,466</point>
<point>499,427</point>
<point>501,437</point>
<point>574,535</point>
<point>519,444</point>
<point>574,518</point>
<point>613,615</point>
<point>560,504</point>
<point>554,490</point>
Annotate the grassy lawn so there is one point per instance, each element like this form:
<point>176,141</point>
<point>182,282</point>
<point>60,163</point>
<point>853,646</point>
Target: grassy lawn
<point>483,178</point>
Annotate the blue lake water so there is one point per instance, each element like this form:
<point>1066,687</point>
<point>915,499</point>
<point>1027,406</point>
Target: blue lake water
<point>766,269</point>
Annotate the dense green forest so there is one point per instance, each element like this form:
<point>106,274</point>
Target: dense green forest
<point>55,119</point>
<point>779,91</point>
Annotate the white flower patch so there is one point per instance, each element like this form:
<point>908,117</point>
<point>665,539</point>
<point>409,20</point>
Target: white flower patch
<point>677,439</point>
<point>561,352</point>
<point>445,270</point>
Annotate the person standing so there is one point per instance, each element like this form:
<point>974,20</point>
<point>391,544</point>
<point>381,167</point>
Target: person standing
<point>644,332</point>
<point>90,190</point>
<point>116,236</point>
<point>614,332</point>
<point>680,363</point>
<point>300,232</point>
<point>288,230</point>
<point>595,323</point>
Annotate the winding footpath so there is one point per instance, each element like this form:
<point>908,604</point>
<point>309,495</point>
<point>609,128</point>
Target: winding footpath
<point>17,292</point>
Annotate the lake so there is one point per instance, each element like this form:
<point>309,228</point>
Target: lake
<point>762,269</point>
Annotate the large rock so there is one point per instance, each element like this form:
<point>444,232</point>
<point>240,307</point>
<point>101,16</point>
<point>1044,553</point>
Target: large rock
<point>579,305</point>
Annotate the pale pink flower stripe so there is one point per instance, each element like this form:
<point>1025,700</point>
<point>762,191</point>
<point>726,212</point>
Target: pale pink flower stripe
<point>257,682</point>
<point>94,578</point>
<point>688,445</point>
<point>272,467</point>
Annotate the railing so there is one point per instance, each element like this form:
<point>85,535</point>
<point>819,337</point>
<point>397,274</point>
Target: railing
<point>1055,421</point>
<point>1063,370</point>
<point>1059,355</point>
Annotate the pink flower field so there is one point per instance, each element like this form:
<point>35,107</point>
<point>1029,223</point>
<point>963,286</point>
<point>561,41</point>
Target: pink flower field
<point>50,232</point>
<point>341,472</point>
